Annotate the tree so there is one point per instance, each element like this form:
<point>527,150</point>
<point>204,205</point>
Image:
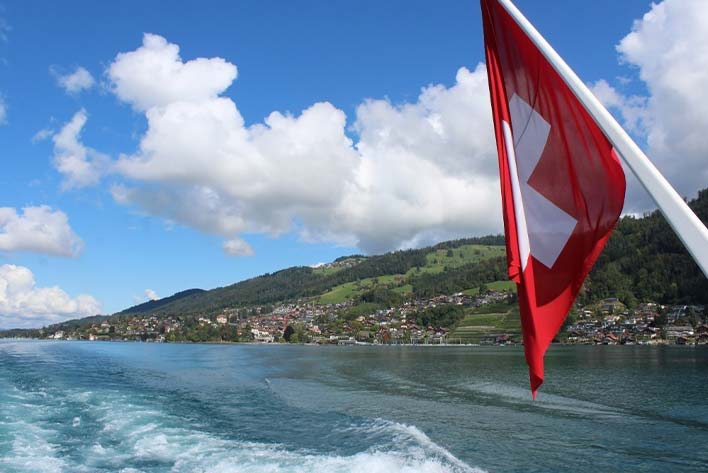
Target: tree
<point>288,332</point>
<point>570,319</point>
<point>660,320</point>
<point>246,335</point>
<point>441,316</point>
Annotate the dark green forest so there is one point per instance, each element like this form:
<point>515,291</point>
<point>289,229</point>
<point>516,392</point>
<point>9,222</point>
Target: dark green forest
<point>645,261</point>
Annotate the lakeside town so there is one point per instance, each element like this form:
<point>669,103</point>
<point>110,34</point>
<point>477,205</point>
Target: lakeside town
<point>419,321</point>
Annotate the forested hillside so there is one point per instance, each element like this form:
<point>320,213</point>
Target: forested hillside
<point>299,282</point>
<point>645,261</point>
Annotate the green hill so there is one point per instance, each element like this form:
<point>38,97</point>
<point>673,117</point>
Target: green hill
<point>437,261</point>
<point>406,271</point>
<point>645,261</point>
<point>154,305</point>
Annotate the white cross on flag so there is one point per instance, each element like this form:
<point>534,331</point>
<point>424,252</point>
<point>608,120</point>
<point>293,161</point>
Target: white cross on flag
<point>562,183</point>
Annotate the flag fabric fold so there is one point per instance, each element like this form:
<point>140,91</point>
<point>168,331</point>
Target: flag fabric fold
<point>561,181</point>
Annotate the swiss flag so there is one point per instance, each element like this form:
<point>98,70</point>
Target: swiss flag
<point>561,181</point>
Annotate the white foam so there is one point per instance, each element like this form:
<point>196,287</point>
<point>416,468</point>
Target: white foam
<point>154,438</point>
<point>130,432</point>
<point>31,451</point>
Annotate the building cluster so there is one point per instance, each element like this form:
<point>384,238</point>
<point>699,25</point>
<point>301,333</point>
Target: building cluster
<point>333,323</point>
<point>610,323</point>
<point>317,323</point>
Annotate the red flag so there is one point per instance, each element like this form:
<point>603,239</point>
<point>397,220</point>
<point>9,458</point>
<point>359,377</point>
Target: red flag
<point>562,183</point>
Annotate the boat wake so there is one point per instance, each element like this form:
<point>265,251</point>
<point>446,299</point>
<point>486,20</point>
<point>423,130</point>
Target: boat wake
<point>73,431</point>
<point>551,402</point>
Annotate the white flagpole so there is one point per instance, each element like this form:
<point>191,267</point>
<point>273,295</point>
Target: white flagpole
<point>685,223</point>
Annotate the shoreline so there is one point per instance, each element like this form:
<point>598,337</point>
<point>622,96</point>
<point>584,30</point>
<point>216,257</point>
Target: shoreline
<point>363,344</point>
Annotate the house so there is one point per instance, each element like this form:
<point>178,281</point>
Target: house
<point>363,336</point>
<point>673,332</point>
<point>262,336</point>
<point>611,305</point>
<point>647,334</point>
<point>222,319</point>
<point>315,329</point>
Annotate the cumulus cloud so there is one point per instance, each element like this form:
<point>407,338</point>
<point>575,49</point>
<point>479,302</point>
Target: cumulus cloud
<point>237,247</point>
<point>154,75</point>
<point>419,171</point>
<point>23,304</point>
<point>74,82</point>
<point>151,295</point>
<point>80,165</point>
<point>38,229</point>
<point>669,48</point>
<point>633,109</point>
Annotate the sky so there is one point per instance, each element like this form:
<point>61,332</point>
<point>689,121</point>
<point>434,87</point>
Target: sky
<point>149,148</point>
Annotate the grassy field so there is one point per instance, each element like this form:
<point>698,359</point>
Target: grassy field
<point>486,321</point>
<point>436,262</point>
<point>350,290</point>
<point>494,286</point>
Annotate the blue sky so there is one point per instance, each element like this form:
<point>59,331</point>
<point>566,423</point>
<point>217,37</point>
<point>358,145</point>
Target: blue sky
<point>289,56</point>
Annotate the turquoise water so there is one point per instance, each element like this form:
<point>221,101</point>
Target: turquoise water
<point>130,407</point>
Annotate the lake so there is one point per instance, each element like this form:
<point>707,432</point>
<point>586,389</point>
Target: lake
<point>138,407</point>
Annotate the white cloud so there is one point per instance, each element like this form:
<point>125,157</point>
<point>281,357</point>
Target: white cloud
<point>419,172</point>
<point>75,82</point>
<point>154,75</point>
<point>237,247</point>
<point>80,165</point>
<point>632,109</point>
<point>42,135</point>
<point>669,48</point>
<point>151,295</point>
<point>38,229</point>
<point>3,111</point>
<point>22,304</point>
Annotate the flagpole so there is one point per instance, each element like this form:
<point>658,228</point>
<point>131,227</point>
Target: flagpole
<point>684,222</point>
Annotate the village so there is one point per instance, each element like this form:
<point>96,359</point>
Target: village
<point>608,323</point>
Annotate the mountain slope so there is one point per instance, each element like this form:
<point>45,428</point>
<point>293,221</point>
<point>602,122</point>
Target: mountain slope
<point>156,304</point>
<point>645,261</point>
<point>304,282</point>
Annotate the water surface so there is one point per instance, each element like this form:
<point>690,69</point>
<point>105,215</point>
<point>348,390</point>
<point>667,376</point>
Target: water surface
<point>135,407</point>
